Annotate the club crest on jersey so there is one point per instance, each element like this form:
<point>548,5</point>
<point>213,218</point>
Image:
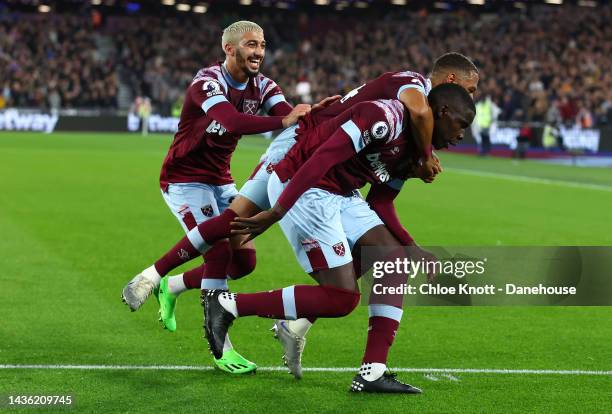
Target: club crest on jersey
<point>250,106</point>
<point>212,88</point>
<point>310,244</point>
<point>339,249</point>
<point>270,168</point>
<point>208,210</point>
<point>380,130</point>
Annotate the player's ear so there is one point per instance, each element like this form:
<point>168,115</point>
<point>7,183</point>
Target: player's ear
<point>441,111</point>
<point>228,49</point>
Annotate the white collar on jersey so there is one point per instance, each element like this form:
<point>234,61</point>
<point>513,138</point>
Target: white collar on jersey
<point>228,78</point>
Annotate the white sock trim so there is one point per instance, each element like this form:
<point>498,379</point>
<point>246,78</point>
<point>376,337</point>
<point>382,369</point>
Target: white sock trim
<point>386,311</point>
<point>212,284</point>
<point>197,241</point>
<point>289,303</point>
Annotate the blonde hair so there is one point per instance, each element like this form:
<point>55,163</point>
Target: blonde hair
<point>233,32</point>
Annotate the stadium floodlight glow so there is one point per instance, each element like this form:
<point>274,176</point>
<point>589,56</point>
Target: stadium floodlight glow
<point>477,2</point>
<point>554,1</point>
<point>587,3</point>
<point>168,2</point>
<point>246,2</point>
<point>44,8</point>
<point>321,2</point>
<point>96,2</point>
<point>361,4</point>
<point>399,2</point>
<point>184,7</point>
<point>520,5</point>
<point>200,8</point>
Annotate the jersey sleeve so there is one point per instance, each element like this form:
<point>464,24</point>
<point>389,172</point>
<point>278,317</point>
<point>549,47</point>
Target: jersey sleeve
<point>207,92</point>
<point>368,124</point>
<point>271,94</point>
<point>399,82</point>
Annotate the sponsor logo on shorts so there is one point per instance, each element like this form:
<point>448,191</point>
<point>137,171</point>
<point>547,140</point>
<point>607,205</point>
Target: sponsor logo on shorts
<point>339,249</point>
<point>250,106</point>
<point>207,210</point>
<point>183,254</point>
<point>310,244</point>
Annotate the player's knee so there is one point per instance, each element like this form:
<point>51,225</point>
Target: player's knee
<point>218,227</point>
<point>243,263</point>
<point>344,300</point>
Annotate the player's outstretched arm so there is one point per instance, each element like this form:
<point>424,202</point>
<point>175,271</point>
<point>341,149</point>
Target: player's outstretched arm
<point>421,124</point>
<point>239,123</point>
<point>336,149</point>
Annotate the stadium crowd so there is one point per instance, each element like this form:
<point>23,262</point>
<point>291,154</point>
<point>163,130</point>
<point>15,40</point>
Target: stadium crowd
<point>550,64</point>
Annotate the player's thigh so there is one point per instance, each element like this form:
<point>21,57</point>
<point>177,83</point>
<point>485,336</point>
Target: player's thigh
<point>314,230</point>
<point>255,190</point>
<point>358,219</point>
<point>191,203</point>
<point>341,277</point>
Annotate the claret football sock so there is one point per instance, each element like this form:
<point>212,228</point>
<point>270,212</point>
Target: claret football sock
<point>181,253</point>
<point>302,301</point>
<point>371,371</point>
<point>381,334</point>
<point>193,278</point>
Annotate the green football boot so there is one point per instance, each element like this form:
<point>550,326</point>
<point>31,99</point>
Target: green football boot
<point>167,305</point>
<point>234,363</point>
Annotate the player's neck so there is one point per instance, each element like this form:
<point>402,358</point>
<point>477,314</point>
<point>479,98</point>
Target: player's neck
<point>237,75</point>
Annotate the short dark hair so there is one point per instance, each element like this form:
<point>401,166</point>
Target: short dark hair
<point>455,97</point>
<point>453,61</point>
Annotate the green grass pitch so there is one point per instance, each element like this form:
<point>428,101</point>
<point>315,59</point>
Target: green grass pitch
<point>81,213</point>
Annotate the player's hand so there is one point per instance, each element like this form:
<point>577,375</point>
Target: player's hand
<point>296,113</point>
<point>429,168</point>
<point>417,254</point>
<point>254,226</point>
<point>326,102</point>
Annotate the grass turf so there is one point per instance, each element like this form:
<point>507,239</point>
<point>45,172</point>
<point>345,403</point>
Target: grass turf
<point>80,214</point>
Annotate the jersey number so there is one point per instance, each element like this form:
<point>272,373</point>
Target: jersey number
<point>215,128</point>
<point>351,94</point>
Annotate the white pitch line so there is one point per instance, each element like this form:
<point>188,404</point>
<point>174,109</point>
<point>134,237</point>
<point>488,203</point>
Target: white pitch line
<point>534,180</point>
<point>310,369</point>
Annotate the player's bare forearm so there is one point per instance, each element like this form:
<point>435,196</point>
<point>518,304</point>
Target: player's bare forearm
<point>259,223</point>
<point>421,120</point>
